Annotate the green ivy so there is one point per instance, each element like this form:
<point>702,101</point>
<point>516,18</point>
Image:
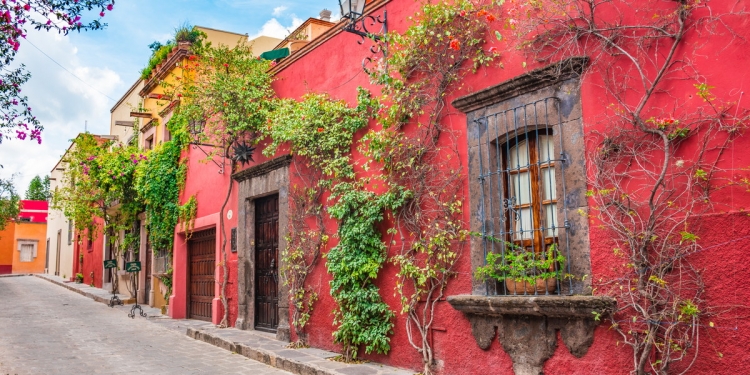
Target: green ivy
<point>320,130</point>
<point>159,181</point>
<point>362,318</point>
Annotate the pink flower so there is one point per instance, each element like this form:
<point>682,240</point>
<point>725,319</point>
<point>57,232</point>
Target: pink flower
<point>27,7</point>
<point>101,14</point>
<point>110,6</point>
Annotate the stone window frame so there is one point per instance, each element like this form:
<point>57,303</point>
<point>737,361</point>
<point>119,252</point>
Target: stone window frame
<point>562,82</point>
<point>527,326</point>
<point>34,249</point>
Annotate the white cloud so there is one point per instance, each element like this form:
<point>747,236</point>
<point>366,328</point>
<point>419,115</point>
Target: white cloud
<point>275,29</point>
<point>279,10</point>
<point>61,102</point>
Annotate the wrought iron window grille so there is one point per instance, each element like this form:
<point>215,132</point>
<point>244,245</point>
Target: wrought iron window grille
<point>522,182</point>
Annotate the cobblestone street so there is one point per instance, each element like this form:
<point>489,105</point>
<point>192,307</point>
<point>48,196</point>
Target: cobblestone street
<point>46,330</point>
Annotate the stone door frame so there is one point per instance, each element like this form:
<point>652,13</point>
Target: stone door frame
<point>271,177</point>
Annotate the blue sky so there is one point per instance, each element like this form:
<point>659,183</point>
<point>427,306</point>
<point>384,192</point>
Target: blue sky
<point>110,61</point>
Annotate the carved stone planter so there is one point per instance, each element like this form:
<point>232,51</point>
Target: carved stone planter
<point>527,325</point>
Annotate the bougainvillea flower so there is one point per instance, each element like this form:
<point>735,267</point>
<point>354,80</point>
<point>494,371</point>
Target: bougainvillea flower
<point>455,44</point>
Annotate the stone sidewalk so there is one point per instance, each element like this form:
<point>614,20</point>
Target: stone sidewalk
<point>255,345</point>
<point>47,330</point>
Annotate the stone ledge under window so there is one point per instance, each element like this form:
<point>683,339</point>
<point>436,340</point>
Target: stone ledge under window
<point>527,326</point>
<point>549,306</point>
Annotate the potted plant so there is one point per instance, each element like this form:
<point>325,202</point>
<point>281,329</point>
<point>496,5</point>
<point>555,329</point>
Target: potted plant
<point>79,278</point>
<point>524,272</point>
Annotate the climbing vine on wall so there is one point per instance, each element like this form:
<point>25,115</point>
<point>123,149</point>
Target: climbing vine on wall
<point>362,318</point>
<point>418,153</point>
<point>320,132</point>
<point>159,181</point>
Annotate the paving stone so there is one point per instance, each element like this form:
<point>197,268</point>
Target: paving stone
<point>48,330</point>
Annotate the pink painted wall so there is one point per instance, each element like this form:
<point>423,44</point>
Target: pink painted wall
<point>210,189</point>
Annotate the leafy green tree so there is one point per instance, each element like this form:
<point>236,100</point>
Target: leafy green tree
<point>9,202</point>
<point>38,189</point>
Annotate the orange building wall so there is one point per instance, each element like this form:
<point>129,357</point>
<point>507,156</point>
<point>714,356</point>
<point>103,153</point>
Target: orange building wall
<point>30,231</point>
<point>7,238</point>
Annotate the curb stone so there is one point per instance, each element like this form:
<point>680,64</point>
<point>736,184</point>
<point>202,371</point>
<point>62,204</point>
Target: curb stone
<point>100,299</point>
<point>274,353</point>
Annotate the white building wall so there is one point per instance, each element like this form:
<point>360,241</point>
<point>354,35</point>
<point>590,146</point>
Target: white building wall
<point>57,222</point>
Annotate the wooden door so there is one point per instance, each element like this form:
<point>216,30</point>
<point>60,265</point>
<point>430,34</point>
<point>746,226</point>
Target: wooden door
<point>202,262</point>
<point>147,270</point>
<point>266,263</point>
<point>57,259</point>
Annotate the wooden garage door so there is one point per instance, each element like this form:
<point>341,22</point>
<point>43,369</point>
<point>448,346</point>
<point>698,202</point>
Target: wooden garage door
<point>266,263</point>
<point>202,251</point>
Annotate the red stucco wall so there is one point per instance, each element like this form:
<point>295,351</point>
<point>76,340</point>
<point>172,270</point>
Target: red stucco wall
<point>210,190</point>
<point>93,256</point>
<point>334,68</point>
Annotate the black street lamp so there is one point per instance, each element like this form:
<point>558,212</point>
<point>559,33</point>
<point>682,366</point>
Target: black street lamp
<point>352,9</point>
<point>353,12</point>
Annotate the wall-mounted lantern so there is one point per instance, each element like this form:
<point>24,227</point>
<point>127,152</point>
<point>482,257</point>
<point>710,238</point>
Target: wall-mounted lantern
<point>196,128</point>
<point>352,11</point>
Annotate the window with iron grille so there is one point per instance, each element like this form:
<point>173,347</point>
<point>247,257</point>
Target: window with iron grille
<point>519,171</point>
<point>527,185</point>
